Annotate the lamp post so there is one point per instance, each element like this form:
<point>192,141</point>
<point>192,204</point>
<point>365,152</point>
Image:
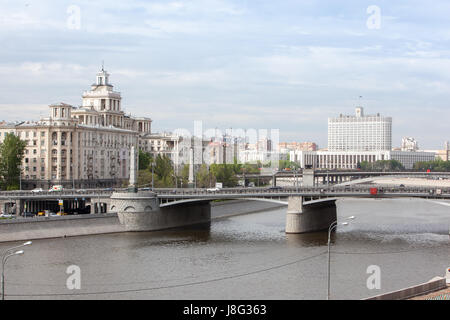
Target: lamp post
<point>330,229</point>
<point>5,256</point>
<point>20,177</point>
<point>153,166</point>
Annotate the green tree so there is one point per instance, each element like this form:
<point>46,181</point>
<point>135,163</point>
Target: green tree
<point>205,178</point>
<point>185,176</point>
<point>164,172</point>
<point>11,155</point>
<point>382,165</point>
<point>435,165</point>
<point>145,158</point>
<point>224,173</point>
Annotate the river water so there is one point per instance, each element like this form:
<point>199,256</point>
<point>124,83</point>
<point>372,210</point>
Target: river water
<point>245,257</point>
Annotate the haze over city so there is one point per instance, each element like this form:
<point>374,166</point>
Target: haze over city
<point>239,64</point>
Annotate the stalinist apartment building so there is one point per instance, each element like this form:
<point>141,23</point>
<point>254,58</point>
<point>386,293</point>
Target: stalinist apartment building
<point>86,146</point>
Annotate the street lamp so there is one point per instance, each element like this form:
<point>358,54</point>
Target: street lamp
<point>330,229</point>
<point>5,256</point>
<point>153,166</point>
<point>20,177</point>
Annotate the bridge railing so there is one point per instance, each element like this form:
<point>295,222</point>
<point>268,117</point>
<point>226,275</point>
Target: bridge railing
<point>316,190</point>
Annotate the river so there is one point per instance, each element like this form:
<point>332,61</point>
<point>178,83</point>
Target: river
<point>245,257</point>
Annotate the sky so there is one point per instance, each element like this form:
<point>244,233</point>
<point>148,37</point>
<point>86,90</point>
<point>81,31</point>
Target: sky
<point>249,64</point>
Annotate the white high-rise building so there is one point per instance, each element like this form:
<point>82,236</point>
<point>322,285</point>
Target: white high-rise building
<point>360,132</point>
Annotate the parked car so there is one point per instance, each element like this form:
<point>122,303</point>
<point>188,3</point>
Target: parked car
<point>37,190</point>
<point>212,189</point>
<point>6,216</point>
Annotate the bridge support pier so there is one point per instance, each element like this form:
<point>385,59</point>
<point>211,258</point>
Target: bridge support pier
<point>310,217</point>
<point>140,211</point>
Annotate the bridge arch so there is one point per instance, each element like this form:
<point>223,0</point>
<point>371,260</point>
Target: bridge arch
<point>176,202</point>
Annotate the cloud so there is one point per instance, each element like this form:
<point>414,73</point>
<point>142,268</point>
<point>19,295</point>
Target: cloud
<point>286,65</point>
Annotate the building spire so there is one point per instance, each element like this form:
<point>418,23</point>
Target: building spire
<point>103,65</point>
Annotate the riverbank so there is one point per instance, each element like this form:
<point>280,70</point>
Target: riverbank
<point>443,294</point>
<point>82,225</point>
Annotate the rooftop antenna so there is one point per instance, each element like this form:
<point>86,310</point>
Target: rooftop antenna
<point>103,65</point>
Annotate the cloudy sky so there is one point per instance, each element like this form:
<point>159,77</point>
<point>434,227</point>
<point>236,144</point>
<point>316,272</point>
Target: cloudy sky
<point>285,65</point>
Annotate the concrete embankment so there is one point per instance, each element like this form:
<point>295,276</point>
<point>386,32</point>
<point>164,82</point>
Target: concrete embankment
<point>80,225</point>
<point>56,227</point>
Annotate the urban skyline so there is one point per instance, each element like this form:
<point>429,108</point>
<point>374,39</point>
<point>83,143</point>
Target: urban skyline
<point>177,63</point>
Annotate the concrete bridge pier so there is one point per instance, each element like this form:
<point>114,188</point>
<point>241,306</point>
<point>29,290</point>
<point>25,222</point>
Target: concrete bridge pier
<point>310,217</point>
<point>140,211</point>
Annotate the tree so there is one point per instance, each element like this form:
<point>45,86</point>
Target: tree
<point>204,177</point>
<point>382,165</point>
<point>163,176</point>
<point>11,155</point>
<point>145,159</point>
<point>435,165</point>
<point>185,176</point>
<point>224,173</point>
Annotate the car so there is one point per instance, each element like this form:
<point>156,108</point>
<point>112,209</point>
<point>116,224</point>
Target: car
<point>6,216</point>
<point>37,190</point>
<point>28,214</point>
<point>275,188</point>
<point>145,189</point>
<point>56,188</point>
<point>81,190</point>
<point>212,189</point>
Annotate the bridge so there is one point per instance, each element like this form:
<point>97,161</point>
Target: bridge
<point>310,208</point>
<point>327,177</point>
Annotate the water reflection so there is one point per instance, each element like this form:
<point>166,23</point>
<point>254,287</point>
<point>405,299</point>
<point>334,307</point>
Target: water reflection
<point>314,239</point>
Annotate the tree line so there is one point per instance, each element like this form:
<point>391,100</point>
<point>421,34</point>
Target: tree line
<point>204,176</point>
<point>12,151</point>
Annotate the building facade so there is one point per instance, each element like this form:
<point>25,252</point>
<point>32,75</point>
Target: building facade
<point>360,132</point>
<point>86,146</point>
<point>358,138</point>
<point>351,159</point>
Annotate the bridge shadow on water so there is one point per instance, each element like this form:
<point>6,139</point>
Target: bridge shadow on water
<point>314,239</point>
